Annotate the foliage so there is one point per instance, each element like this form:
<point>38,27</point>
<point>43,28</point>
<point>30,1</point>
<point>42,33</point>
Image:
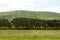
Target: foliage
<point>29,23</point>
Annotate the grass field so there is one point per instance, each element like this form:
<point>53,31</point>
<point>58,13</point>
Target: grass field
<point>29,34</point>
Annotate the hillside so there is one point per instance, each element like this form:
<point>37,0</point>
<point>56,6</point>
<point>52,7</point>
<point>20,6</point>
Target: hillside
<point>30,14</point>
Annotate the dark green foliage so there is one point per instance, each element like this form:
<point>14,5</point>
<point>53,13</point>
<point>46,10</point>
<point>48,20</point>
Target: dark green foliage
<point>29,23</point>
<point>4,23</point>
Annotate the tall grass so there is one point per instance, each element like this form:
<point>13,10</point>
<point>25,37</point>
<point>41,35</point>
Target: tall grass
<point>29,34</point>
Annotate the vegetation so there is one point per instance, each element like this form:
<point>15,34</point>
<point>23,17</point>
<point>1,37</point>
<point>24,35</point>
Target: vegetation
<point>29,20</point>
<point>29,23</point>
<point>30,35</point>
<point>45,25</point>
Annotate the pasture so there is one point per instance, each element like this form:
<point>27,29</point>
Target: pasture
<point>29,34</point>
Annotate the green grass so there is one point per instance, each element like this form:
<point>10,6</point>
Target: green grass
<point>29,34</point>
<point>17,38</point>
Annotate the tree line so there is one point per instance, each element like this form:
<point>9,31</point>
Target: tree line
<point>29,23</point>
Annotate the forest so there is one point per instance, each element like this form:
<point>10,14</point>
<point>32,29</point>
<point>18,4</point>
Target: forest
<point>29,24</point>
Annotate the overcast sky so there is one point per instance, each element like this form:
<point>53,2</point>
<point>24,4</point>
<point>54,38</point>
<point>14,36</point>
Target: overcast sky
<point>33,5</point>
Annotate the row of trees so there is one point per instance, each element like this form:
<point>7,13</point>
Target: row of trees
<point>4,23</point>
<point>29,23</point>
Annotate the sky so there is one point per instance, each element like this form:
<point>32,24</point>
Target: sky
<point>31,5</point>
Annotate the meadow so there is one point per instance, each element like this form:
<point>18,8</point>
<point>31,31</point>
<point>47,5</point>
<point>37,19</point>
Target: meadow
<point>29,34</point>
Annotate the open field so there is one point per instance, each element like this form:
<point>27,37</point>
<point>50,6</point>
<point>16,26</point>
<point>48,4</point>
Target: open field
<point>29,34</point>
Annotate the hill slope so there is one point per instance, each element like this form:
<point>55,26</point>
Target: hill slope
<point>30,14</point>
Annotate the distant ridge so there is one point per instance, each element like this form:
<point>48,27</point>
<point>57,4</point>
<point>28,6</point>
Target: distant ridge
<point>30,14</point>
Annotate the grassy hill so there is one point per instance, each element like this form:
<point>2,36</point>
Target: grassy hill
<point>30,14</point>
